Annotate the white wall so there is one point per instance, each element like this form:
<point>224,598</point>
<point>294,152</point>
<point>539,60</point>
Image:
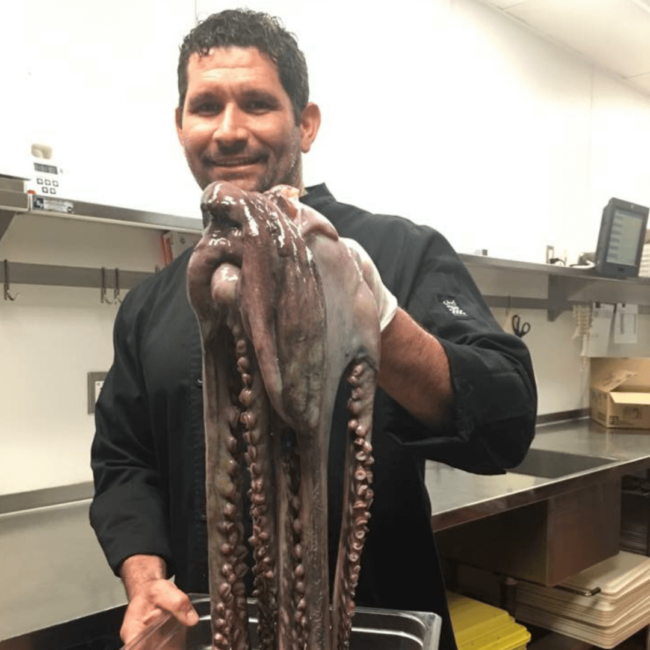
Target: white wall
<point>443,111</point>
<point>50,338</point>
<point>562,374</point>
<point>512,142</point>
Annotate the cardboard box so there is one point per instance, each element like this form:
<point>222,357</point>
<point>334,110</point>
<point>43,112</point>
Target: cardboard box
<point>620,393</point>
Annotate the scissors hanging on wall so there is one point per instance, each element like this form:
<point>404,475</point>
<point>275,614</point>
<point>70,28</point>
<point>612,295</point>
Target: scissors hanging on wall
<point>520,329</point>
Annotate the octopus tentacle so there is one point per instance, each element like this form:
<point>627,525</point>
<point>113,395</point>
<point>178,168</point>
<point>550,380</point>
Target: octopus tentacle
<point>312,551</point>
<point>226,549</point>
<point>261,497</point>
<point>293,623</point>
<point>357,500</point>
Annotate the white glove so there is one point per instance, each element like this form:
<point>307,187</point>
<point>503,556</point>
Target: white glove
<point>384,299</point>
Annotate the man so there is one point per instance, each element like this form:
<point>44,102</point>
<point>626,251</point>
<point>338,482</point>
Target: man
<point>453,386</point>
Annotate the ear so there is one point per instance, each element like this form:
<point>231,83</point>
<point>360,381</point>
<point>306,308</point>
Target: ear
<point>309,125</point>
<point>179,125</point>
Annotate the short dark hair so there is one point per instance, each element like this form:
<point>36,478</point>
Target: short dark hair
<point>247,28</point>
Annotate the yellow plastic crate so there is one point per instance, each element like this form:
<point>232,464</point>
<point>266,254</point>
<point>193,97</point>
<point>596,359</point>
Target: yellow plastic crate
<point>478,626</point>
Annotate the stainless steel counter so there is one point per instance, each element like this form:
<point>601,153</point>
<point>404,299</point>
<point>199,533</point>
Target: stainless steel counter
<point>51,567</point>
<point>379,629</point>
<point>458,497</point>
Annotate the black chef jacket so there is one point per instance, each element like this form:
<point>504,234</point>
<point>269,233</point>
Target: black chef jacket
<point>148,452</point>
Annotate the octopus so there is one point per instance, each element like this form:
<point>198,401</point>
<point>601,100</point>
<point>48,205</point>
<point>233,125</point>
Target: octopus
<point>284,316</point>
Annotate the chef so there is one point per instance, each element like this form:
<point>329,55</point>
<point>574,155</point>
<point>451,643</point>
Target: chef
<point>453,387</point>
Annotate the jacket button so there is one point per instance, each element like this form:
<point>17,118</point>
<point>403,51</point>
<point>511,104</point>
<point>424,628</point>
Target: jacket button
<point>199,382</point>
<point>203,516</point>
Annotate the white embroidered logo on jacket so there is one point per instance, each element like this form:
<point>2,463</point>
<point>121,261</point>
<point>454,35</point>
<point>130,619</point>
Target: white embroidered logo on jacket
<point>453,307</point>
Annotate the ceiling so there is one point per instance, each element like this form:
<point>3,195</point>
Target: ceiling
<point>613,34</point>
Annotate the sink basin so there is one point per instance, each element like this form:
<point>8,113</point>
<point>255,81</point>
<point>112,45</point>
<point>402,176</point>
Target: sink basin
<point>556,464</point>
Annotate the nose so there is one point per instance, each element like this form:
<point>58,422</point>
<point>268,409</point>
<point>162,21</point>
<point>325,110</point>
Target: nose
<point>231,130</point>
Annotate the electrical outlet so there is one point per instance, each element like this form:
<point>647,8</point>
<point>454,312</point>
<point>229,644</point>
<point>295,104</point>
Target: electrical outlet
<point>95,383</point>
<point>550,254</point>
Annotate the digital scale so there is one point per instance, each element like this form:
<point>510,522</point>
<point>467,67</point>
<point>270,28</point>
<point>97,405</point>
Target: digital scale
<point>35,166</point>
<point>46,177</point>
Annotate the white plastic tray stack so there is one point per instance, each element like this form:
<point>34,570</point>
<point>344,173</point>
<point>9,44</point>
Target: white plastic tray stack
<point>618,610</point>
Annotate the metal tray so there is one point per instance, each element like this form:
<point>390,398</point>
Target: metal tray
<point>372,629</point>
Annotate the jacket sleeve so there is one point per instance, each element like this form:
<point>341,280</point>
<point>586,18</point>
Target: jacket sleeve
<point>127,511</point>
<point>495,398</point>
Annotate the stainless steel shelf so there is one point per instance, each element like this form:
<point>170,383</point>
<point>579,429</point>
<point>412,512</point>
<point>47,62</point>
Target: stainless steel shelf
<point>113,215</point>
<point>566,286</point>
<point>13,203</point>
<point>483,261</point>
<point>556,270</point>
<point>71,276</point>
<point>595,289</point>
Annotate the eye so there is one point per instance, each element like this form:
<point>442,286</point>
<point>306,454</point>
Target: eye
<point>258,106</point>
<point>259,102</point>
<point>208,107</point>
<point>205,107</point>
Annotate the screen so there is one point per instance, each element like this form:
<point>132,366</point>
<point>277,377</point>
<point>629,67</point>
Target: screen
<point>50,169</point>
<point>624,238</point>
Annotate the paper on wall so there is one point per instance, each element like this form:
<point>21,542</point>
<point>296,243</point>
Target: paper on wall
<point>582,318</point>
<point>625,323</point>
<point>596,342</point>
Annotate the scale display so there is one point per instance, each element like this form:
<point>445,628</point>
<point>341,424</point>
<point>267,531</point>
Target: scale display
<point>46,179</point>
<point>621,239</point>
<point>48,169</point>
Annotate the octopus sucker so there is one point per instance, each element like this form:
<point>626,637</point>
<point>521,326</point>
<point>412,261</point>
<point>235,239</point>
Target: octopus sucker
<point>284,317</point>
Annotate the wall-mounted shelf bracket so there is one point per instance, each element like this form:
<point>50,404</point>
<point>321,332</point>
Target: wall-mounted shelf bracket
<point>5,220</point>
<point>566,290</point>
<point>12,200</point>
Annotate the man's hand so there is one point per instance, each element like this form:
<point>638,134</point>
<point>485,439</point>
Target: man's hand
<point>150,594</point>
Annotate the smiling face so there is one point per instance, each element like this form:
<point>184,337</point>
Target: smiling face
<point>237,122</point>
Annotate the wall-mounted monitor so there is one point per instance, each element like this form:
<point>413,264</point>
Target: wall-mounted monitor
<point>621,238</point>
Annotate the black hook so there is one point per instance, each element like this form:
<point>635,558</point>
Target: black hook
<point>102,295</point>
<point>7,295</point>
<point>116,290</point>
